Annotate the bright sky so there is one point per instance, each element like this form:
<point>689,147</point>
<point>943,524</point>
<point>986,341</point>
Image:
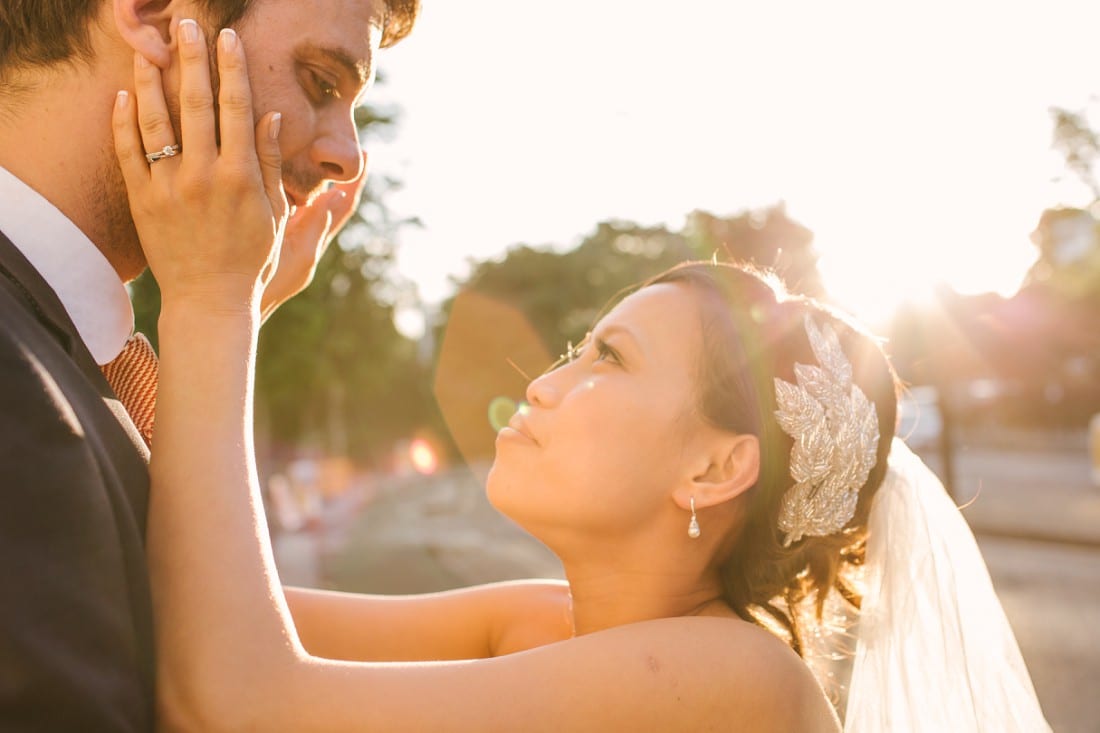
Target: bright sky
<point>912,138</point>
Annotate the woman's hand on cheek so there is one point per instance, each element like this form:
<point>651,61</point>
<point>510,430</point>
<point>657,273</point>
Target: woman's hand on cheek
<point>309,232</point>
<point>210,220</point>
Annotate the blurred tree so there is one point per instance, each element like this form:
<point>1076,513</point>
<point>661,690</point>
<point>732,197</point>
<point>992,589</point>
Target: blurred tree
<point>765,237</point>
<point>1078,145</point>
<point>1068,262</point>
<point>1068,239</point>
<point>563,293</point>
<point>1040,347</point>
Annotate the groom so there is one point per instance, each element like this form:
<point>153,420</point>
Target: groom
<point>75,621</point>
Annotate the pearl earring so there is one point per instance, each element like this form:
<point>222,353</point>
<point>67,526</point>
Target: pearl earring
<point>693,525</point>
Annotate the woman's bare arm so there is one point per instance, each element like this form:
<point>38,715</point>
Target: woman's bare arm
<point>469,623</point>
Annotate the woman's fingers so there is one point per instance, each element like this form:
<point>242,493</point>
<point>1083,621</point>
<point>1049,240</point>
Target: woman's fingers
<point>196,97</point>
<point>271,161</point>
<point>219,214</point>
<point>344,207</point>
<point>128,145</point>
<point>235,100</point>
<point>153,120</point>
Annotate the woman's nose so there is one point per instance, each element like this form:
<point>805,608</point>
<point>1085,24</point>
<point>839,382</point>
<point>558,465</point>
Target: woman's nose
<point>541,392</point>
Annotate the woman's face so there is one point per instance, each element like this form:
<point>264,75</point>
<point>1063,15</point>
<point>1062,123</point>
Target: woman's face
<point>606,437</point>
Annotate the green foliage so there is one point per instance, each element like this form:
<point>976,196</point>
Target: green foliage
<point>1068,239</point>
<point>1068,264</point>
<point>333,370</point>
<point>767,238</point>
<point>563,293</point>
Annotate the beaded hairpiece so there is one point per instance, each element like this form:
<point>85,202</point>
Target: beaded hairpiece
<point>835,431</point>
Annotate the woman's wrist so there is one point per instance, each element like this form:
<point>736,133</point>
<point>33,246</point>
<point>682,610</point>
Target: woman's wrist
<point>200,319</point>
<point>223,300</point>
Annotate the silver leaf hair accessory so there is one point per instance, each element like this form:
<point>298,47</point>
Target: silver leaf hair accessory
<point>835,431</point>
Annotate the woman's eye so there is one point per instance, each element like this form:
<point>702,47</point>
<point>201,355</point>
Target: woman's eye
<point>606,353</point>
<point>572,353</point>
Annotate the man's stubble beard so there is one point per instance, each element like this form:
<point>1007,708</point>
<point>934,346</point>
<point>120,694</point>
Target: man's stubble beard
<point>116,235</point>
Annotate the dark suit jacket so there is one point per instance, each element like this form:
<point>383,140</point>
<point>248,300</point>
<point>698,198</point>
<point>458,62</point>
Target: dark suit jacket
<point>76,643</point>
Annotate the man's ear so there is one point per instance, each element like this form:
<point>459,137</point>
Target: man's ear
<point>731,468</point>
<point>149,27</point>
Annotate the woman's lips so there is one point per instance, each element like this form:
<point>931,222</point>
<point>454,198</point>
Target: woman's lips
<point>517,427</point>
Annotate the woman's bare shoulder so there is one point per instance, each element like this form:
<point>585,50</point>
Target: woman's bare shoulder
<point>755,675</point>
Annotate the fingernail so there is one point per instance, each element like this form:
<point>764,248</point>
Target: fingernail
<point>228,37</point>
<point>189,30</point>
<point>276,125</point>
<point>122,99</point>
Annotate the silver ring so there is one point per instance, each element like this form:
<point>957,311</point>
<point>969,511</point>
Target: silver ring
<point>168,151</point>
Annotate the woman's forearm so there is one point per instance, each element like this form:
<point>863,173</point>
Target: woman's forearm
<point>221,616</point>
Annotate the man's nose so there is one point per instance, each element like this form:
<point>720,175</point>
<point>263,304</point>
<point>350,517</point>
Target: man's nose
<point>336,151</point>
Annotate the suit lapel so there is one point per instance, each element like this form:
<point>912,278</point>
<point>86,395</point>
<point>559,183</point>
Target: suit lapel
<point>39,297</point>
<point>25,282</point>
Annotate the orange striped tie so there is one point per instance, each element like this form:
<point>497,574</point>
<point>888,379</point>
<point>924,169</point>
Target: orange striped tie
<point>133,377</point>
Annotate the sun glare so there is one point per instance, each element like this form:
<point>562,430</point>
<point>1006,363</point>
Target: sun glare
<point>422,457</point>
<point>874,283</point>
<point>912,169</point>
<point>884,257</point>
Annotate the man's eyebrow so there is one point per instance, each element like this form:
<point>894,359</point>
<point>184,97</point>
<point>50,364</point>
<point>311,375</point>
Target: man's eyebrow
<point>358,69</point>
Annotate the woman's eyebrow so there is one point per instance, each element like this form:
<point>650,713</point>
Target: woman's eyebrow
<point>616,328</point>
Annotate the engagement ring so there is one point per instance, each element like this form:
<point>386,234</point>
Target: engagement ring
<point>168,151</point>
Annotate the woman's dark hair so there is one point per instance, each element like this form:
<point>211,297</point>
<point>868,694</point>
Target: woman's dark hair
<point>753,332</point>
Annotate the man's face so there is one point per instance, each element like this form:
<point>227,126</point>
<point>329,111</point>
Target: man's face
<point>312,61</point>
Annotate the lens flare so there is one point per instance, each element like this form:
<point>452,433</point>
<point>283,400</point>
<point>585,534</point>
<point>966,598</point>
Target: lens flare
<point>422,457</point>
<point>501,410</point>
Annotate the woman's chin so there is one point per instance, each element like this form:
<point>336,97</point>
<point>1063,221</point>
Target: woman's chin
<point>494,487</point>
<point>505,494</point>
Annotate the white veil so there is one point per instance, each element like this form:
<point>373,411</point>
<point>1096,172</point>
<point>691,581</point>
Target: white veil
<point>934,650</point>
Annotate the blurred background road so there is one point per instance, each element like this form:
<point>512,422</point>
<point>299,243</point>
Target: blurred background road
<point>1037,518</point>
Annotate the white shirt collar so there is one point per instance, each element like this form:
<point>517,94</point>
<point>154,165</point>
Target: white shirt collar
<point>85,283</point>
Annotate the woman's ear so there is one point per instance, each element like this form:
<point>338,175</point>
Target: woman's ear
<point>149,27</point>
<point>732,468</point>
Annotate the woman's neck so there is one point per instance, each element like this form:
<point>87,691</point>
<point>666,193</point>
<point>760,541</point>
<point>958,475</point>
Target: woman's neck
<point>607,597</point>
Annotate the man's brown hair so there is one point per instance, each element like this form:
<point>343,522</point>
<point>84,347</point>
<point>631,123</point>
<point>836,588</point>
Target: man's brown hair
<point>47,32</point>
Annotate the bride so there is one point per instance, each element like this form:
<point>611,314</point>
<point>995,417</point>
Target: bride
<point>715,467</point>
